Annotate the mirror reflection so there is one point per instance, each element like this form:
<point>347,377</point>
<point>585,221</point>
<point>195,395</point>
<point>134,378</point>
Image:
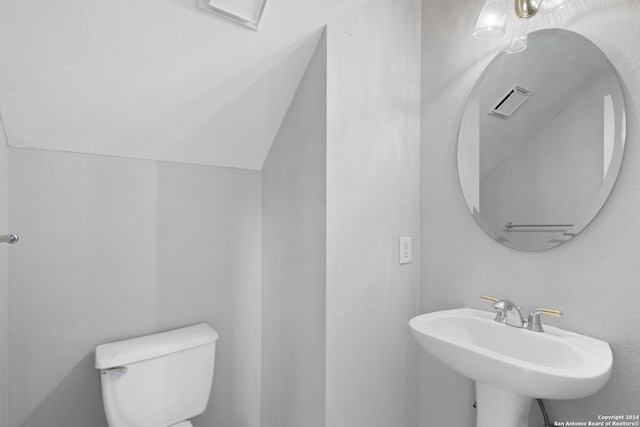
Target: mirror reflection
<point>541,141</point>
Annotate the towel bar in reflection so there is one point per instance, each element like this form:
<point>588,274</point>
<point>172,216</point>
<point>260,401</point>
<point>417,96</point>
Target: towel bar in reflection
<point>512,225</point>
<point>9,238</point>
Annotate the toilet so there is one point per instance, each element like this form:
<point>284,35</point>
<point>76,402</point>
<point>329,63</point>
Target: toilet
<point>157,380</point>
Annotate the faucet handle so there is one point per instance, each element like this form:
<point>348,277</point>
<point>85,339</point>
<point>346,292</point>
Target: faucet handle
<point>501,305</point>
<point>534,323</point>
<point>550,311</point>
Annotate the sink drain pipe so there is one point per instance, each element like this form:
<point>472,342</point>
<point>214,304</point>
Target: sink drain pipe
<point>542,409</point>
<point>544,413</point>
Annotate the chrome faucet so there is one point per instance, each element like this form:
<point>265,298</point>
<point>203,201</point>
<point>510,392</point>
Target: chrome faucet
<point>509,314</point>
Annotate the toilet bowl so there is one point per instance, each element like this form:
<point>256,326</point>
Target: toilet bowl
<point>159,380</point>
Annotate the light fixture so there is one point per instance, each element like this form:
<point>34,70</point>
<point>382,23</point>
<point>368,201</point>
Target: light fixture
<point>551,5</point>
<point>491,22</point>
<point>526,9</point>
<point>516,45</point>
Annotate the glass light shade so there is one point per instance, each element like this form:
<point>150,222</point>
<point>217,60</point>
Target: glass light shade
<point>551,5</point>
<point>491,21</point>
<point>516,45</point>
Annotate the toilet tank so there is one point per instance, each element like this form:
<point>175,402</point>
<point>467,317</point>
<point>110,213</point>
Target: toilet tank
<point>157,380</point>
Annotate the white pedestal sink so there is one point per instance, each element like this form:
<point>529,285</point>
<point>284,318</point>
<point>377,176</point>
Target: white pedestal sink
<point>511,366</point>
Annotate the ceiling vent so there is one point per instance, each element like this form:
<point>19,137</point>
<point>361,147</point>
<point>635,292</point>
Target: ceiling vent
<point>510,103</point>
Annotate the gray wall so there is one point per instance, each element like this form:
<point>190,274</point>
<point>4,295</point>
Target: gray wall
<point>593,278</point>
<point>373,152</point>
<point>370,95</point>
<point>294,259</point>
<point>113,248</point>
<point>4,275</point>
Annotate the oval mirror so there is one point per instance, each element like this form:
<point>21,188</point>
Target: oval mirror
<point>541,141</point>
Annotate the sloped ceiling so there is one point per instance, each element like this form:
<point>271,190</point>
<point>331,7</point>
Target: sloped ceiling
<point>159,80</point>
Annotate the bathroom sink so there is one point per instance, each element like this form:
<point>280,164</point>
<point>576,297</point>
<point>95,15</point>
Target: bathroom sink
<point>513,364</point>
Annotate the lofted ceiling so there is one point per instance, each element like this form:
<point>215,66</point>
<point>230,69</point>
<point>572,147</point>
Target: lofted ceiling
<point>158,80</point>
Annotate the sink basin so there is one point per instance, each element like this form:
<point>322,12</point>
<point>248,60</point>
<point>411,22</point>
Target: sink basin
<point>513,364</point>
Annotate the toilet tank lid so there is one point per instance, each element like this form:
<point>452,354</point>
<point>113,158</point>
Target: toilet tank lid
<point>120,353</point>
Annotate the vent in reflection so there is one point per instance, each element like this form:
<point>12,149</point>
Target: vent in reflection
<point>511,102</point>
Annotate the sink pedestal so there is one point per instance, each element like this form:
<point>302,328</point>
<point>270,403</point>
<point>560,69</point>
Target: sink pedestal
<point>499,408</point>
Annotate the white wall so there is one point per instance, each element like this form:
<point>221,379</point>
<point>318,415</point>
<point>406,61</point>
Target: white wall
<point>113,248</point>
<point>592,278</point>
<point>168,72</point>
<point>372,200</point>
<point>4,274</point>
<point>294,259</point>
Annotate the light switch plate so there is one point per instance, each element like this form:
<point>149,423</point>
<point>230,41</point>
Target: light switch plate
<point>405,250</point>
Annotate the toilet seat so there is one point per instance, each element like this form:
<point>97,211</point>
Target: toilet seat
<point>186,423</point>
